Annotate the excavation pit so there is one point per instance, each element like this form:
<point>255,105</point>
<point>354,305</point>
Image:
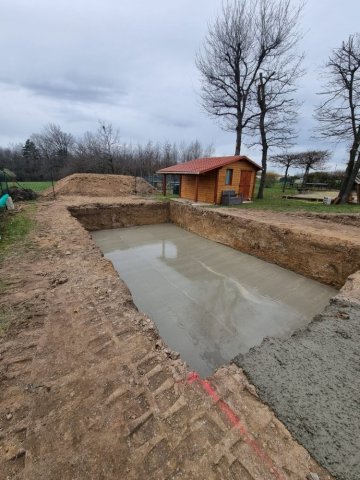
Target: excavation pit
<point>298,377</point>
<point>209,301</point>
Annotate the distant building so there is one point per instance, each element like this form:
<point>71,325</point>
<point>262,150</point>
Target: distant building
<point>204,179</point>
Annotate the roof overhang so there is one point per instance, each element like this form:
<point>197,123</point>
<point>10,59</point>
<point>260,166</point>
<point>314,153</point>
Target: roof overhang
<point>184,171</point>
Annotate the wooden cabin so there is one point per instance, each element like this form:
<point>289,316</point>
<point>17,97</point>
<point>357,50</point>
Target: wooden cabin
<point>204,179</point>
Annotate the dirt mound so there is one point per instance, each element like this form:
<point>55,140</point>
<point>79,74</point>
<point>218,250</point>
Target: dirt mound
<point>96,185</point>
<point>19,194</point>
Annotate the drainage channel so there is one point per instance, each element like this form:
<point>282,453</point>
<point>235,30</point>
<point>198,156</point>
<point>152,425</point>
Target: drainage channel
<point>209,302</point>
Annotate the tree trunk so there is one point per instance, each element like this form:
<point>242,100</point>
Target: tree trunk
<point>342,196</point>
<point>238,140</point>
<point>306,173</point>
<point>111,163</point>
<point>262,182</point>
<point>285,178</point>
<point>346,183</point>
<point>263,161</point>
<point>351,180</point>
<point>265,147</point>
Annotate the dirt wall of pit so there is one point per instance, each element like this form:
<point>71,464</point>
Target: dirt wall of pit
<point>314,256</point>
<point>101,217</point>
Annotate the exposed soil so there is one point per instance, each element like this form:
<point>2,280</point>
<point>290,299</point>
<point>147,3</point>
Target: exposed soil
<point>97,185</point>
<point>125,214</point>
<point>89,391</point>
<point>322,249</point>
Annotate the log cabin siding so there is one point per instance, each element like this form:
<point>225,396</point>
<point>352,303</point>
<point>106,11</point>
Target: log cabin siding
<point>207,187</point>
<point>205,190</point>
<point>188,183</point>
<point>237,167</point>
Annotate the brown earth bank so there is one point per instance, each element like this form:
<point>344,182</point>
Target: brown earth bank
<point>97,185</point>
<point>88,390</point>
<point>325,251</point>
<point>112,215</point>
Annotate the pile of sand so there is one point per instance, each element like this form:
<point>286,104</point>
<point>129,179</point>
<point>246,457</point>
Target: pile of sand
<point>93,184</point>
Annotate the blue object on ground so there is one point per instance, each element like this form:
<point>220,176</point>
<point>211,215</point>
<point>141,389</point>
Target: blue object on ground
<point>3,200</point>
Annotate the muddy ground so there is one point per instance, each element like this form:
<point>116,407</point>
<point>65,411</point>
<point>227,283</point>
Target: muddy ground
<point>88,390</point>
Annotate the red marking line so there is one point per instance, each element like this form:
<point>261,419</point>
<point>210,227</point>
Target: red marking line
<point>236,422</point>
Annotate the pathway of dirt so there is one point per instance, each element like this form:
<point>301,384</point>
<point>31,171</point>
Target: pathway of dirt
<point>345,227</point>
<point>89,391</point>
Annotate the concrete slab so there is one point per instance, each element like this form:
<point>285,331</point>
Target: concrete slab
<point>209,301</point>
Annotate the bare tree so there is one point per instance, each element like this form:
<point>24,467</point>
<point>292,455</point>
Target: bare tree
<point>87,157</point>
<point>169,154</point>
<point>11,158</point>
<point>277,107</point>
<point>339,114</point>
<point>287,160</point>
<point>31,158</point>
<point>312,160</point>
<point>109,140</point>
<point>54,154</point>
<point>55,147</point>
<point>243,38</point>
<point>99,151</point>
<point>193,150</point>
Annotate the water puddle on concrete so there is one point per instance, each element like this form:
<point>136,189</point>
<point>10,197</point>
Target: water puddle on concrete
<point>209,302</point>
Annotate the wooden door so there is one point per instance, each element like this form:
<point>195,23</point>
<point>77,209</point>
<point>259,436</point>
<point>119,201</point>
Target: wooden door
<point>245,183</point>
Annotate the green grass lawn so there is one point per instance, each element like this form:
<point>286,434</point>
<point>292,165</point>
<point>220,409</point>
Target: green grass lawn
<point>35,186</point>
<point>14,227</point>
<point>273,201</point>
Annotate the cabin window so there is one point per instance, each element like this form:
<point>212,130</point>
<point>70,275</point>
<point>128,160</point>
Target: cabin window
<point>229,176</point>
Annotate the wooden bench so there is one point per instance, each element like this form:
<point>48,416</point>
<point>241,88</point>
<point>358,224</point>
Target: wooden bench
<point>229,197</point>
<point>312,187</point>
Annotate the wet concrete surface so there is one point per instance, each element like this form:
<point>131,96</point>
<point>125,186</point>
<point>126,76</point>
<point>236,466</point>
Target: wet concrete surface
<point>209,301</point>
<point>312,382</point>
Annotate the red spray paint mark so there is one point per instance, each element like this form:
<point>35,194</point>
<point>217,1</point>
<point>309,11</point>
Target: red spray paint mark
<point>236,422</point>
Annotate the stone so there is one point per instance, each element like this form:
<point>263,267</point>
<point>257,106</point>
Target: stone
<point>312,476</point>
<point>13,454</point>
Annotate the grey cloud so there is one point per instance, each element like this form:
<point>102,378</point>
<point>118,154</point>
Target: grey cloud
<point>69,90</point>
<point>173,121</point>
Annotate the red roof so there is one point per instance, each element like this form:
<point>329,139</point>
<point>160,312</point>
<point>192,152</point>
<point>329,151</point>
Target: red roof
<point>203,165</point>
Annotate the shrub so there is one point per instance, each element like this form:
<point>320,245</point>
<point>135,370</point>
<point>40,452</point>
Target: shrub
<point>270,179</point>
<point>333,179</point>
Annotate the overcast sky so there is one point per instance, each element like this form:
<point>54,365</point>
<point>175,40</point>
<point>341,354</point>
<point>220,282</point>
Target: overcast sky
<point>131,63</point>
